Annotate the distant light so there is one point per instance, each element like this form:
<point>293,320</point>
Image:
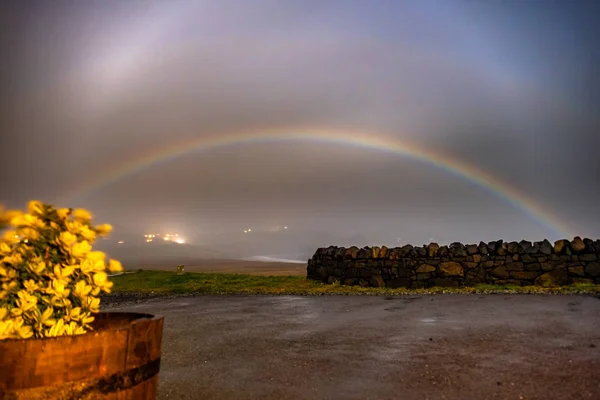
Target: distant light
<point>166,238</point>
<point>245,231</point>
<point>180,241</point>
<point>121,242</point>
<point>176,235</point>
<point>285,227</point>
<point>249,230</point>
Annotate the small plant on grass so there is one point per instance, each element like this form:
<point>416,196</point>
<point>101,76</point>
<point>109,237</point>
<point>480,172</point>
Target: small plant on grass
<point>50,279</point>
<point>180,269</point>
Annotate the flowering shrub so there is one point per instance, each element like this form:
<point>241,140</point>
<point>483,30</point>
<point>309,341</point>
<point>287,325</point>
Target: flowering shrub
<point>50,278</point>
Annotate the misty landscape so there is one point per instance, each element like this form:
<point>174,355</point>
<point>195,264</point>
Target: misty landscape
<point>436,162</point>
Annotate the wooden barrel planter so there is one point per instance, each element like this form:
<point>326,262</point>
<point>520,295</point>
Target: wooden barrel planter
<point>119,359</point>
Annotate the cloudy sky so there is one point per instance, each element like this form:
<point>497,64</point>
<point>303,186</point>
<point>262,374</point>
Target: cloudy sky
<point>505,88</point>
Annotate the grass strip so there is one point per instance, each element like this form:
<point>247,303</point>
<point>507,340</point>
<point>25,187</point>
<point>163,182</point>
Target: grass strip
<point>171,283</point>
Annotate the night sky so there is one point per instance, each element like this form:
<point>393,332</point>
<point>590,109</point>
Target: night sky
<point>507,88</point>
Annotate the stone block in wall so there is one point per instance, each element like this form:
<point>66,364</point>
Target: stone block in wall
<point>364,253</point>
<point>513,247</point>
<point>577,245</point>
<point>432,249</point>
<point>405,251</point>
<point>500,273</point>
<point>487,264</point>
<point>593,269</point>
<point>470,265</point>
<point>515,266</point>
<point>457,249</point>
<point>421,251</point>
<point>451,268</point>
<point>546,247</point>
<point>552,278</point>
<point>523,275</point>
<point>393,254</point>
<point>351,253</point>
<point>584,281</point>
<point>483,248</point>
<point>377,281</point>
<point>578,271</point>
<point>475,276</point>
<point>443,251</point>
<point>424,276</point>
<point>528,259</point>
<point>560,246</point>
<point>588,257</point>
<point>472,249</point>
<point>350,282</point>
<point>425,268</point>
<point>375,251</point>
<point>533,267</point>
<point>396,283</point>
<point>340,253</point>
<point>383,252</point>
<point>525,246</point>
<point>445,282</point>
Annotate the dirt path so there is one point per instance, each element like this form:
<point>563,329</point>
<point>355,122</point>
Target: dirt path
<point>362,347</point>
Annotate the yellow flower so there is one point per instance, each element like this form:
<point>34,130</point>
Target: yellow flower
<point>96,256</point>
<point>89,266</point>
<point>115,266</point>
<point>22,220</point>
<point>56,329</point>
<point>6,329</point>
<point>29,234</point>
<point>103,229</point>
<point>25,302</point>
<point>9,286</point>
<point>31,285</point>
<point>82,289</point>
<point>67,238</point>
<point>87,233</point>
<point>82,215</point>
<point>13,260</point>
<point>37,267</point>
<point>63,272</point>
<point>74,227</point>
<point>92,304</point>
<point>5,248</point>
<point>60,289</point>
<point>13,215</point>
<point>86,318</point>
<point>35,207</point>
<point>46,317</point>
<point>10,237</point>
<point>63,213</point>
<point>100,278</point>
<point>81,249</point>
<point>3,313</point>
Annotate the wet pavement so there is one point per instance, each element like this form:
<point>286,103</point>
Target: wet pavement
<point>366,347</point>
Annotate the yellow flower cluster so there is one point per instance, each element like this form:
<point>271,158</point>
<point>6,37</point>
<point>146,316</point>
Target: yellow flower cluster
<point>50,278</point>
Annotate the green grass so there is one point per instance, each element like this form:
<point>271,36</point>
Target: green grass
<point>167,283</point>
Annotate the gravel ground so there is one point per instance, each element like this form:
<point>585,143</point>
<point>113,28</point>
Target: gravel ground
<point>370,347</point>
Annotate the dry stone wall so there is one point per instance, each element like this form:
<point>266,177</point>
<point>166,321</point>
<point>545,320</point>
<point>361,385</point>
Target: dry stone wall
<point>521,263</point>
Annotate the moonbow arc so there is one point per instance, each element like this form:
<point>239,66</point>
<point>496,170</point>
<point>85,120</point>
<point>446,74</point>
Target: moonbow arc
<point>363,141</point>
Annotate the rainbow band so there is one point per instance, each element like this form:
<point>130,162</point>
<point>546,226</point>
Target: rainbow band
<point>362,141</point>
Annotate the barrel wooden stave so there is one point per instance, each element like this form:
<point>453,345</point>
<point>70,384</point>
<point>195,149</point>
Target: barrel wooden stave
<point>120,360</point>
